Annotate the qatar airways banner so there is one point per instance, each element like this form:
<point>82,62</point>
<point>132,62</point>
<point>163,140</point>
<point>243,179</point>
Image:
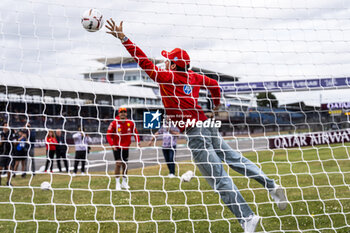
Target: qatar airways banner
<point>336,105</point>
<point>310,139</point>
<point>287,85</point>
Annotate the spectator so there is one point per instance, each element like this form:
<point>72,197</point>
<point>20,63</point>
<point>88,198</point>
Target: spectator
<point>51,143</point>
<point>32,139</point>
<point>61,150</point>
<point>6,148</point>
<point>21,149</point>
<point>169,145</point>
<point>81,141</point>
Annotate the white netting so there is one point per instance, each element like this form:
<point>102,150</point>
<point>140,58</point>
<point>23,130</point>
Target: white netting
<point>55,75</point>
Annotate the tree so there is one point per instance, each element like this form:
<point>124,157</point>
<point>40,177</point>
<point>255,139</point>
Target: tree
<point>267,99</point>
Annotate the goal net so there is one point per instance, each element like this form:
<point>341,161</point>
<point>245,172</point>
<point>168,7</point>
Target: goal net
<point>283,75</point>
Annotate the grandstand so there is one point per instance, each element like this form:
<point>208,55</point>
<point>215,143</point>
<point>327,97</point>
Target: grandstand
<point>66,104</point>
<point>93,100</point>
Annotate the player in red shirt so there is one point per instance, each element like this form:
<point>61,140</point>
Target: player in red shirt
<point>51,143</point>
<point>119,137</point>
<point>179,88</point>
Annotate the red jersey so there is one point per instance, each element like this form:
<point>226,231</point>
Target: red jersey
<point>179,90</point>
<point>119,133</point>
<point>51,143</point>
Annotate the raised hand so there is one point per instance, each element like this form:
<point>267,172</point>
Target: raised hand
<point>114,29</point>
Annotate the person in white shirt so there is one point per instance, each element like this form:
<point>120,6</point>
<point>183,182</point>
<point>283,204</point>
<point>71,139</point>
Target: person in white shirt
<point>169,134</point>
<point>81,141</point>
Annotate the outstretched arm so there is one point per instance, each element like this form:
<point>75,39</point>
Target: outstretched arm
<point>140,57</point>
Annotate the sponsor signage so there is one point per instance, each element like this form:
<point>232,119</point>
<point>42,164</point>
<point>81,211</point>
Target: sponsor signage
<point>335,112</point>
<point>336,105</point>
<point>310,139</point>
<point>287,85</point>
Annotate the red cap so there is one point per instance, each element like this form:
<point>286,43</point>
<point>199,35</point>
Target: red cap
<point>122,109</point>
<point>179,56</point>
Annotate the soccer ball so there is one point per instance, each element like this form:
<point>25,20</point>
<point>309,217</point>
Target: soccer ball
<point>45,185</point>
<point>92,20</point>
<point>187,176</point>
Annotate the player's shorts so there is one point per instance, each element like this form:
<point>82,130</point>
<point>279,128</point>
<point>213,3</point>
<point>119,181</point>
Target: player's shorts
<point>121,154</point>
<point>20,155</point>
<point>5,160</point>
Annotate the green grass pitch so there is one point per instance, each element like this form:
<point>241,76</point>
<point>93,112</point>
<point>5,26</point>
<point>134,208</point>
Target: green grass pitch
<point>316,179</point>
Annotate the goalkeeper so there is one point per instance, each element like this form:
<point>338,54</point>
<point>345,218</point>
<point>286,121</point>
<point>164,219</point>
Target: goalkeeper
<point>179,88</point>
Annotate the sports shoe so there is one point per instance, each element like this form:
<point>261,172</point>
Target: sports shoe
<point>125,185</point>
<point>171,175</point>
<point>250,223</point>
<point>279,197</point>
<point>83,174</point>
<point>74,174</point>
<point>117,186</point>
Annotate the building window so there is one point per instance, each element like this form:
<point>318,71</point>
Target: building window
<point>110,77</point>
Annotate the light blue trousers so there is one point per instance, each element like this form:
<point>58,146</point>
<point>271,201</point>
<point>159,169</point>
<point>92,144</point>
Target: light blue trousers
<point>209,150</point>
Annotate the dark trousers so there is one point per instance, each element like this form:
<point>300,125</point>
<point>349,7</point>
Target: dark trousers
<point>169,154</point>
<point>49,161</point>
<point>80,155</point>
<point>31,160</point>
<point>61,155</point>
